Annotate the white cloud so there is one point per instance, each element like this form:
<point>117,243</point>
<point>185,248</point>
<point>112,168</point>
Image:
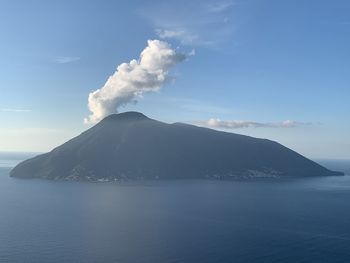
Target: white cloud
<point>131,80</point>
<point>65,60</point>
<point>14,110</point>
<point>236,124</point>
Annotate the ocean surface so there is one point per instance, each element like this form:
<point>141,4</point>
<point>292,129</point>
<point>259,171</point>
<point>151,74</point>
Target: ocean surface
<point>301,220</point>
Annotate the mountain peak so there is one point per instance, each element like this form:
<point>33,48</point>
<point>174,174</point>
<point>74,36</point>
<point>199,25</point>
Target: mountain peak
<point>128,115</point>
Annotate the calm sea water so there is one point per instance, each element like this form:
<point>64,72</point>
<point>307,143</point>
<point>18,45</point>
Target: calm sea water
<point>305,220</point>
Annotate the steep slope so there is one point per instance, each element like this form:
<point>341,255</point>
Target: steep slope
<point>130,145</point>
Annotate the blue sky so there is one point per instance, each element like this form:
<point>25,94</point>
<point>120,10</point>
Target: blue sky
<point>263,61</point>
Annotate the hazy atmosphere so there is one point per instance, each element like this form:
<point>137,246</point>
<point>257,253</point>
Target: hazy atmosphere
<point>207,131</point>
<point>270,69</point>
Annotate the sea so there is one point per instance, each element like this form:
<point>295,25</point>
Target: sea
<point>294,220</point>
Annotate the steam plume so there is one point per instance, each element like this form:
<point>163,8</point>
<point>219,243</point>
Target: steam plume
<point>132,79</point>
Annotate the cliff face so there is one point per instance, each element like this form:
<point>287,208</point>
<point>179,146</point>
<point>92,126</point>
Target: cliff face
<point>130,145</point>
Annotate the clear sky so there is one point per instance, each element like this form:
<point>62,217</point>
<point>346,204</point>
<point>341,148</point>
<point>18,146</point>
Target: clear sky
<point>262,61</point>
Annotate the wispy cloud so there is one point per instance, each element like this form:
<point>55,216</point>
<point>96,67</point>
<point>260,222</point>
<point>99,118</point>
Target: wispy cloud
<point>181,35</point>
<point>219,6</point>
<point>65,60</point>
<point>236,124</point>
<point>14,110</point>
<point>195,23</point>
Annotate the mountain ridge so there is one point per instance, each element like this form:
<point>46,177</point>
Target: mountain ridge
<point>130,145</point>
